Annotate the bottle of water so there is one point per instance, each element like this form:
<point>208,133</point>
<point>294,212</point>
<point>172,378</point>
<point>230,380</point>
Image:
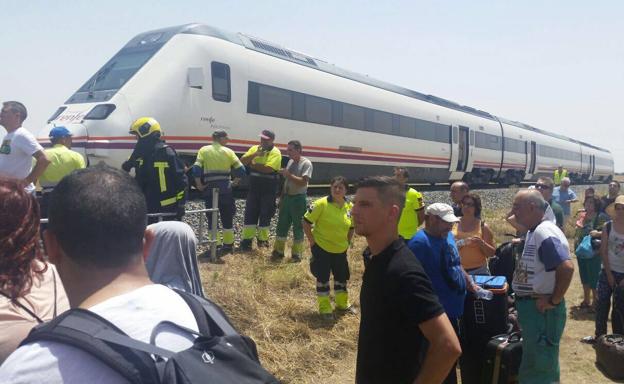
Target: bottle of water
<point>484,294</point>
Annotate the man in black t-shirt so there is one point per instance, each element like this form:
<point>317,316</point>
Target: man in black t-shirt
<point>405,336</point>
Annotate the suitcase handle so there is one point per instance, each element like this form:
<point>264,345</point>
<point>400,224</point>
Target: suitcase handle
<point>514,337</point>
<point>615,339</point>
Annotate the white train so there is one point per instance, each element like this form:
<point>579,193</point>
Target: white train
<point>195,78</point>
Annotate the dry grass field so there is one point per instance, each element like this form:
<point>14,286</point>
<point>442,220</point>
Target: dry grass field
<point>275,304</point>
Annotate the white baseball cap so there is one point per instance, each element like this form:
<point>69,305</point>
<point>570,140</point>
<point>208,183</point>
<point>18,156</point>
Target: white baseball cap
<point>443,211</point>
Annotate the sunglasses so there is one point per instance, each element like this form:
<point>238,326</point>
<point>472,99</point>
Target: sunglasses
<point>542,186</point>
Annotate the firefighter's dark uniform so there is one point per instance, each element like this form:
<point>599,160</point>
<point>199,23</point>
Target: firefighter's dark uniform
<point>160,174</point>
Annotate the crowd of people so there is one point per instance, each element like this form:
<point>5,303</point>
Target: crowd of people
<point>101,255</point>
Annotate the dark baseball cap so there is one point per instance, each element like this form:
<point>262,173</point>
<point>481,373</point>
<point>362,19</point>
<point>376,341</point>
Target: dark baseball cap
<point>267,135</point>
<point>220,133</point>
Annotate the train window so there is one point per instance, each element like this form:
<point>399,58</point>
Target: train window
<point>100,112</point>
<point>274,102</point>
<point>114,74</point>
<point>513,145</point>
<point>318,110</point>
<point>382,122</point>
<point>442,133</point>
<point>337,113</point>
<point>407,127</point>
<point>298,105</point>
<point>455,134</point>
<point>353,116</point>
<point>57,113</point>
<point>252,97</point>
<point>221,87</point>
<point>487,141</point>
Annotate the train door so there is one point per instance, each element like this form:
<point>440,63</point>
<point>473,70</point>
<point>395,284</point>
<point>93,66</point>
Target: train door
<point>531,159</point>
<point>461,161</point>
<point>592,166</point>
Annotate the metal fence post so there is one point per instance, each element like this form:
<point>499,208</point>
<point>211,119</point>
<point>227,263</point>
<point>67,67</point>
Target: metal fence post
<point>213,230</point>
<point>200,230</point>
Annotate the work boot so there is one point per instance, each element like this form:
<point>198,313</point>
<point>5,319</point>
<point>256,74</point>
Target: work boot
<point>263,243</point>
<point>276,256</point>
<point>324,305</point>
<point>295,258</point>
<point>225,249</point>
<point>342,300</point>
<point>245,245</point>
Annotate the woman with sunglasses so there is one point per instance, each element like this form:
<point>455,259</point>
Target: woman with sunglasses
<point>591,224</point>
<point>473,237</point>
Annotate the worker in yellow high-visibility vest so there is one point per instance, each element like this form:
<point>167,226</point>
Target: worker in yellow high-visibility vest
<point>413,213</point>
<point>63,161</point>
<point>559,174</point>
<point>264,162</point>
<point>213,169</point>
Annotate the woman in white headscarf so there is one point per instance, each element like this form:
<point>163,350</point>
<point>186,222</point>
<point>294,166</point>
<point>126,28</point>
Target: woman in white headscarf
<point>171,256</point>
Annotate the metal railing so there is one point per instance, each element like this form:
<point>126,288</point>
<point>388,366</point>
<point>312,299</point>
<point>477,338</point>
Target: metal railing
<point>212,240</point>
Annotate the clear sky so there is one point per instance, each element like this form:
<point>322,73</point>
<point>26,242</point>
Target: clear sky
<point>557,65</point>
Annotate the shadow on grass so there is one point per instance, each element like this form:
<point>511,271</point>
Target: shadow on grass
<point>314,320</point>
<point>581,314</point>
<point>601,369</point>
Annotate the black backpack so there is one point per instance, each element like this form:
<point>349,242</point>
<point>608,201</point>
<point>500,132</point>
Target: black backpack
<point>503,263</point>
<point>219,354</point>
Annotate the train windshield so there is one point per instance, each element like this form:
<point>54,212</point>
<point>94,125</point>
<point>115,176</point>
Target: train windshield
<point>112,76</point>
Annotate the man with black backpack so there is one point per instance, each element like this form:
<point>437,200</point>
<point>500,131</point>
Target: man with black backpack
<point>95,239</point>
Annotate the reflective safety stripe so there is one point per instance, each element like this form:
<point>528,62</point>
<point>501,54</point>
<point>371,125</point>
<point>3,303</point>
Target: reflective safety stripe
<point>324,305</point>
<point>162,178</point>
<point>340,287</point>
<point>297,248</point>
<point>249,232</point>
<point>180,195</point>
<point>172,200</point>
<point>217,173</point>
<point>263,233</point>
<point>322,288</point>
<point>263,175</point>
<point>216,178</point>
<point>228,236</point>
<point>342,300</point>
<point>280,244</point>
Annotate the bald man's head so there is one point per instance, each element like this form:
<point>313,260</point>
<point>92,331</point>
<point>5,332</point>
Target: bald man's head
<point>529,207</point>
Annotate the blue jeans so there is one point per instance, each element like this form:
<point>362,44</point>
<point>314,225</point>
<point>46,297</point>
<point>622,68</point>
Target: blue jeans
<point>604,292</point>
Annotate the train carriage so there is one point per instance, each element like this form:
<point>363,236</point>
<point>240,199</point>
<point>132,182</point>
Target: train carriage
<point>194,79</point>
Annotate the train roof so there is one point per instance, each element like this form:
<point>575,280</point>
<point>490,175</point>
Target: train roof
<point>256,44</point>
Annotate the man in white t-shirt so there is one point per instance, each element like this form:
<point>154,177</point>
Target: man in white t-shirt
<point>542,277</point>
<point>95,239</point>
<point>19,146</point>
